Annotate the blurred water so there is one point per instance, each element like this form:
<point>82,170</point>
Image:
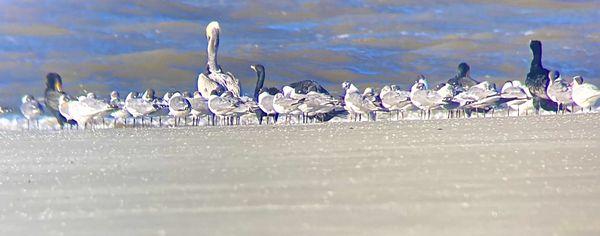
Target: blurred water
<point>131,45</point>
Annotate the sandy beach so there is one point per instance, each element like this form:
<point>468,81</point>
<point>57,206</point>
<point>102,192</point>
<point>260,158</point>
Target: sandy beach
<point>536,175</point>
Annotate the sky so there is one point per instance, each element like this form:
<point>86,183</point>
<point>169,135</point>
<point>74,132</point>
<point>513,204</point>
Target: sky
<point>105,45</point>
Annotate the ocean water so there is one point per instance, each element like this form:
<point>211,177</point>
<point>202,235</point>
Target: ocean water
<point>132,45</point>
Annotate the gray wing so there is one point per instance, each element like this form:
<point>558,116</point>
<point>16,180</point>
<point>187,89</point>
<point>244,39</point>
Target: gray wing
<point>226,81</point>
<point>31,109</point>
<point>266,104</point>
<point>514,92</point>
<point>51,99</point>
<point>179,104</point>
<point>206,85</point>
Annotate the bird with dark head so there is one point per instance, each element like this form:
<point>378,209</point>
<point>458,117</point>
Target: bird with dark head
<point>462,81</point>
<point>52,94</point>
<point>260,82</point>
<point>537,79</point>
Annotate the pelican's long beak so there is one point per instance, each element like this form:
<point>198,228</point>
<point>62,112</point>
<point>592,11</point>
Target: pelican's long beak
<point>253,67</point>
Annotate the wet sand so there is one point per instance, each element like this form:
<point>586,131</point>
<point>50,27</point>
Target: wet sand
<point>536,175</point>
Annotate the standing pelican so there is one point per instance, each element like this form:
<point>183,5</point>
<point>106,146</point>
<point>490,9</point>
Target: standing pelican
<point>214,79</point>
<point>31,109</point>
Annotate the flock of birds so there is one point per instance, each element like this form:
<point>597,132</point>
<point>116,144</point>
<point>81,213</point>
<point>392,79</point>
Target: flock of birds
<point>219,101</point>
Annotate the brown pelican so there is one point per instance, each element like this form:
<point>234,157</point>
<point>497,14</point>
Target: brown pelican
<point>214,79</point>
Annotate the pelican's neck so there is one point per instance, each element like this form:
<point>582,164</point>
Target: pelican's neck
<point>213,47</point>
<point>536,62</point>
<point>260,81</point>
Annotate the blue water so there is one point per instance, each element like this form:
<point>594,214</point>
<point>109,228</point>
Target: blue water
<point>132,45</point>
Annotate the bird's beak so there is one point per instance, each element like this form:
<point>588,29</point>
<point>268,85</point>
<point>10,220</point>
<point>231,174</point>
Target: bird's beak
<point>58,86</point>
<point>253,68</point>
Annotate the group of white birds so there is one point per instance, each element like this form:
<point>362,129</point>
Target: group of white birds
<point>219,98</point>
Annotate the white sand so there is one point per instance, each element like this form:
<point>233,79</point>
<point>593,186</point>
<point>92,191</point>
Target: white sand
<point>488,176</point>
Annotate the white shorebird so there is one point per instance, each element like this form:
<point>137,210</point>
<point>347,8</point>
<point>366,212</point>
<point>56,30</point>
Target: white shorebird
<point>31,109</point>
<point>559,91</point>
<point>584,95</point>
<point>520,95</point>
<point>357,103</point>
<point>395,100</point>
<point>425,99</point>
<point>199,107</point>
<point>214,79</point>
<point>138,107</point>
<point>179,107</point>
<point>82,111</point>
<point>286,105</point>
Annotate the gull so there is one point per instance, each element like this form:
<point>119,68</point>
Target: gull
<point>223,106</point>
<point>265,103</point>
<point>394,99</point>
<point>284,104</point>
<point>31,109</point>
<point>138,107</point>
<point>519,94</point>
<point>447,91</point>
<point>199,107</point>
<point>120,112</point>
<point>356,103</point>
<point>214,79</point>
<point>584,95</point>
<point>81,111</point>
<point>179,107</point>
<point>91,100</point>
<point>481,97</point>
<point>315,104</point>
<point>425,99</point>
<point>559,91</point>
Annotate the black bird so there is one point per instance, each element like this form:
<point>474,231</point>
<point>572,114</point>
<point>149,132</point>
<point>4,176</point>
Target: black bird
<point>52,94</point>
<point>260,81</point>
<point>537,79</point>
<point>462,81</point>
<point>305,86</point>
